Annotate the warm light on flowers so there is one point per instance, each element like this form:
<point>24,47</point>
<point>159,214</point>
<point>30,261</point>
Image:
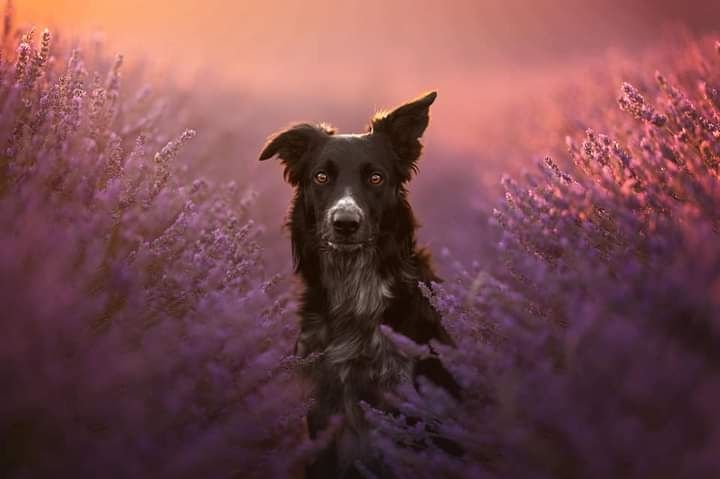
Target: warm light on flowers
<point>147,310</point>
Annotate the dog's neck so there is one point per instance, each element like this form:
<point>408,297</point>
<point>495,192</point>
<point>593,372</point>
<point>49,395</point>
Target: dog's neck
<point>358,294</point>
<point>354,285</point>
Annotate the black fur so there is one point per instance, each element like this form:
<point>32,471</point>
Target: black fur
<point>353,243</point>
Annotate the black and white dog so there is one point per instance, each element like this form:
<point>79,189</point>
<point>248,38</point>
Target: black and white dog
<point>353,242</point>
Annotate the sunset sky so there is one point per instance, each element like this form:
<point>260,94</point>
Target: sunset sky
<point>277,43</point>
<point>309,60</point>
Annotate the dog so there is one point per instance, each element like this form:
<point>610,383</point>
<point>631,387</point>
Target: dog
<point>353,243</point>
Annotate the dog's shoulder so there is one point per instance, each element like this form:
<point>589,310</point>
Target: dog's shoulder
<point>413,316</point>
<point>410,313</point>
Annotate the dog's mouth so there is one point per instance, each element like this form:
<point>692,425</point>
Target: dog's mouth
<point>346,245</point>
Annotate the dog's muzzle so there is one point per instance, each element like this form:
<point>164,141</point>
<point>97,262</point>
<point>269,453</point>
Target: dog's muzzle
<point>345,220</point>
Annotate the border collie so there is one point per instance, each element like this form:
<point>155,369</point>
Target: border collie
<point>353,243</point>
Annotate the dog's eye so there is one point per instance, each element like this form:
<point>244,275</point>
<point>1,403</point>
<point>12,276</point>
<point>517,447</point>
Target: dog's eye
<point>375,179</point>
<point>321,178</point>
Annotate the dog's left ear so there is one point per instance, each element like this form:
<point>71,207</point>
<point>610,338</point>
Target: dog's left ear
<point>293,145</point>
<point>405,126</point>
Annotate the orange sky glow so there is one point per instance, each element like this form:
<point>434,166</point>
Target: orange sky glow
<point>482,55</point>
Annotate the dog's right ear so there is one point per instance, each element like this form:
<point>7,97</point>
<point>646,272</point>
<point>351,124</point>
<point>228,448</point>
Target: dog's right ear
<point>292,145</point>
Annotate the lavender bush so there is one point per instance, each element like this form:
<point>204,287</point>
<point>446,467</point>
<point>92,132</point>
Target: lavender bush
<point>146,326</point>
<point>591,348</point>
<point>141,334</point>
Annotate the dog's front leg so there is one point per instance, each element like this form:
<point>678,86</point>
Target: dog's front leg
<point>326,464</point>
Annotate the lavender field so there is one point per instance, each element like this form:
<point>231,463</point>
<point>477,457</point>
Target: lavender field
<point>148,302</point>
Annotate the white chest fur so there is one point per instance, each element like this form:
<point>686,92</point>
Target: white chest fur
<point>357,297</point>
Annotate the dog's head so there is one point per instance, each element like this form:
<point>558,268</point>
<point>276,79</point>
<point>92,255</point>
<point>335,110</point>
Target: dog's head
<point>349,184</point>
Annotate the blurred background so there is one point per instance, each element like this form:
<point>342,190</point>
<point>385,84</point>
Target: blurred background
<point>147,321</point>
<point>507,72</point>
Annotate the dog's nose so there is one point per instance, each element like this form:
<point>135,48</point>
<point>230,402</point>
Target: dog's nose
<point>346,222</point>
